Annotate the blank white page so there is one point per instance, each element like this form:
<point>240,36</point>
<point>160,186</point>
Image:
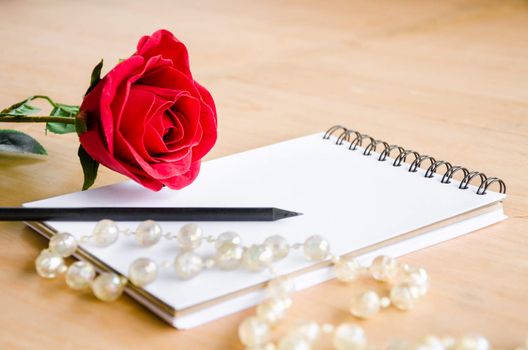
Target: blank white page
<point>351,199</point>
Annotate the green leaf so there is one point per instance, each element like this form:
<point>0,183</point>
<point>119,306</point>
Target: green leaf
<point>89,166</point>
<point>22,108</point>
<point>96,77</point>
<point>15,142</point>
<point>62,111</point>
<point>60,128</point>
<point>66,110</point>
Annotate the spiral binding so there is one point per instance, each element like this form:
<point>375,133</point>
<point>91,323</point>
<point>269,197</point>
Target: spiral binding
<point>356,139</point>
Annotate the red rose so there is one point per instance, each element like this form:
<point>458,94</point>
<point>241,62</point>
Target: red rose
<point>148,118</point>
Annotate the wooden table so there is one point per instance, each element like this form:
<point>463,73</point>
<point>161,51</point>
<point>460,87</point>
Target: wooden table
<point>449,78</point>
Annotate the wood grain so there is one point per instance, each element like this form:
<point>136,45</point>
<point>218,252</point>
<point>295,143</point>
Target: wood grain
<point>448,78</point>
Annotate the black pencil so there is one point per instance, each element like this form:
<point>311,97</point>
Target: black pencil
<point>140,214</point>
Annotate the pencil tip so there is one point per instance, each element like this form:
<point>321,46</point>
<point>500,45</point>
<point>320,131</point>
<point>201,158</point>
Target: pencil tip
<point>283,214</point>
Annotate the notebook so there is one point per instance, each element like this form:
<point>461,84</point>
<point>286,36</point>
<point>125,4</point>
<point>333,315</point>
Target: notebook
<point>365,196</point>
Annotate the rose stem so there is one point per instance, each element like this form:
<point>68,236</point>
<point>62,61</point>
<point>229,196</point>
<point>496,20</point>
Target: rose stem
<point>36,119</point>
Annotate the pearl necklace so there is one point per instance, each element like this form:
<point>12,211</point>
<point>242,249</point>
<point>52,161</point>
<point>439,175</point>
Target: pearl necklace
<point>230,254</point>
<point>407,283</point>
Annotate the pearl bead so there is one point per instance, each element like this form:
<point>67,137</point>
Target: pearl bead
<point>310,330</point>
<point>402,296</point>
<point>49,264</point>
<point>431,342</point>
<point>316,248</point>
<point>190,237</point>
<point>472,342</point>
<point>347,270</point>
<point>80,275</point>
<point>229,255</point>
<point>365,304</point>
<point>384,268</point>
<point>272,310</point>
<point>105,233</point>
<point>279,246</point>
<point>254,331</point>
<point>294,341</point>
<point>349,336</point>
<point>108,286</point>
<point>281,287</point>
<point>257,257</point>
<point>417,277</point>
<point>63,244</point>
<point>188,264</point>
<point>228,236</point>
<point>142,271</point>
<point>148,233</point>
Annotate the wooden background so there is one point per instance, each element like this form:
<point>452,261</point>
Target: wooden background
<point>447,78</point>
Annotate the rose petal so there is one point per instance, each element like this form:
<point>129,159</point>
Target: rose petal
<point>173,132</point>
<point>168,77</point>
<point>154,142</point>
<point>207,99</point>
<point>182,180</point>
<point>185,106</point>
<point>160,170</point>
<point>144,179</point>
<point>92,143</point>
<point>187,110</point>
<point>123,91</point>
<point>109,96</point>
<point>164,43</point>
<point>140,106</point>
<point>208,122</point>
